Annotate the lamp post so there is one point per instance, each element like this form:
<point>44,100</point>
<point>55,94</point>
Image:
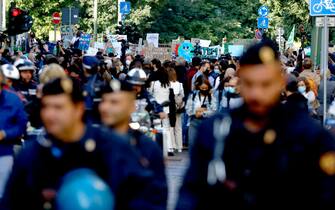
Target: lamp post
<point>95,17</point>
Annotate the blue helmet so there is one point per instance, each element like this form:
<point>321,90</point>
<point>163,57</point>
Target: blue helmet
<point>83,189</point>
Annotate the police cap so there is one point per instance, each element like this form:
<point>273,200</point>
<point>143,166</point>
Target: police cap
<point>64,86</point>
<point>264,52</point>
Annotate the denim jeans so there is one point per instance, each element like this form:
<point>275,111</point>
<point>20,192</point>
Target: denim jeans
<point>193,131</point>
<point>6,164</point>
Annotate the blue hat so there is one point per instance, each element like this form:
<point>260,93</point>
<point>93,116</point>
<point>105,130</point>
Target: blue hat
<point>90,62</point>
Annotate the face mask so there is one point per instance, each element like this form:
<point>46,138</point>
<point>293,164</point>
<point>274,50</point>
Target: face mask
<point>128,62</point>
<point>302,89</point>
<point>226,89</point>
<point>217,71</point>
<point>121,68</point>
<point>232,90</point>
<point>206,72</point>
<point>204,92</point>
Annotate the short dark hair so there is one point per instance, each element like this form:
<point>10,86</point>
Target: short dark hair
<point>196,61</point>
<point>292,83</point>
<point>67,86</point>
<point>157,63</point>
<point>260,54</point>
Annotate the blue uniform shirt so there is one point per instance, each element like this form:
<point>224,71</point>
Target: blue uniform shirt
<point>13,120</point>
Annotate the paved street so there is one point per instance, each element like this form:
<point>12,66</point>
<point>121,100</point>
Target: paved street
<point>175,168</point>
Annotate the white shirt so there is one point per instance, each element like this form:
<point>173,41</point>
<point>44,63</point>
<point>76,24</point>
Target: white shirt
<point>193,105</point>
<point>310,96</point>
<point>177,88</point>
<point>160,93</point>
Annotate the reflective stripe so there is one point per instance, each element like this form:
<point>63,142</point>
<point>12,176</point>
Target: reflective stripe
<point>32,91</point>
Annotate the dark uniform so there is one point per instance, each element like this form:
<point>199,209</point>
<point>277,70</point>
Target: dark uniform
<point>91,88</point>
<point>151,156</point>
<point>290,164</point>
<point>41,165</point>
<point>28,90</point>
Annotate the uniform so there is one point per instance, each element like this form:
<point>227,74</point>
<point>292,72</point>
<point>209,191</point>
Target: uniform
<point>13,122</point>
<point>27,90</point>
<point>40,166</point>
<point>151,156</point>
<point>287,165</point>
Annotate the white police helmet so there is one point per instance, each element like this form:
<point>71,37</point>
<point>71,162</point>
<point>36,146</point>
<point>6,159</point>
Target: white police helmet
<point>10,71</point>
<point>136,76</point>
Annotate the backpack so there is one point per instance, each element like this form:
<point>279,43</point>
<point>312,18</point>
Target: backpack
<point>179,99</point>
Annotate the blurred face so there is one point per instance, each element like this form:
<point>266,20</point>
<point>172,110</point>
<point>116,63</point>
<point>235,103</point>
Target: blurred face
<point>233,82</point>
<point>129,59</point>
<point>59,114</point>
<point>204,89</point>
<point>260,86</point>
<point>301,84</point>
<point>46,47</point>
<point>206,67</point>
<point>26,76</point>
<point>115,108</point>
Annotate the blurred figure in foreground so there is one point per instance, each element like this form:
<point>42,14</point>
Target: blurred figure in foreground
<point>262,155</point>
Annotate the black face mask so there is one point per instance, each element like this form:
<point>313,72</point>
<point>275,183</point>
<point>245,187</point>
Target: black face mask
<point>204,92</point>
<point>105,40</point>
<point>206,72</point>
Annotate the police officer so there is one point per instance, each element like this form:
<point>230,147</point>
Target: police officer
<point>13,121</point>
<point>91,87</point>
<point>264,155</point>
<point>26,85</point>
<point>11,74</point>
<point>137,78</point>
<point>69,144</point>
<point>116,108</point>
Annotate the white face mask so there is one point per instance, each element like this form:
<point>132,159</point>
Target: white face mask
<point>128,62</point>
<point>302,89</point>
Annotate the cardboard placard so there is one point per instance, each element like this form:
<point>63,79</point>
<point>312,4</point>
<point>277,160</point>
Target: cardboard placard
<point>161,53</point>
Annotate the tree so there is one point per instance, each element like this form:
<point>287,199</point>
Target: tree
<point>210,19</point>
<point>42,10</point>
<point>287,14</point>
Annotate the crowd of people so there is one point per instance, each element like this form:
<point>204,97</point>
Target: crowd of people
<point>252,126</point>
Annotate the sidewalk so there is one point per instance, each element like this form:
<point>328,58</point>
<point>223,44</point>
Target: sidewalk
<point>175,169</point>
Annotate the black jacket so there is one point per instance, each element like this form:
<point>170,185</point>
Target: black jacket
<point>38,168</point>
<point>297,101</point>
<point>276,168</point>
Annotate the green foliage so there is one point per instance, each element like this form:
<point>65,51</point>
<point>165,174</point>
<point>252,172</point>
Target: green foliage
<point>205,19</point>
<point>41,11</point>
<point>210,19</point>
<point>287,14</point>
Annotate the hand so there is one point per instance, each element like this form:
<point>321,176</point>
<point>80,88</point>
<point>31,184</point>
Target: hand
<point>2,135</point>
<point>199,112</point>
<point>162,115</point>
